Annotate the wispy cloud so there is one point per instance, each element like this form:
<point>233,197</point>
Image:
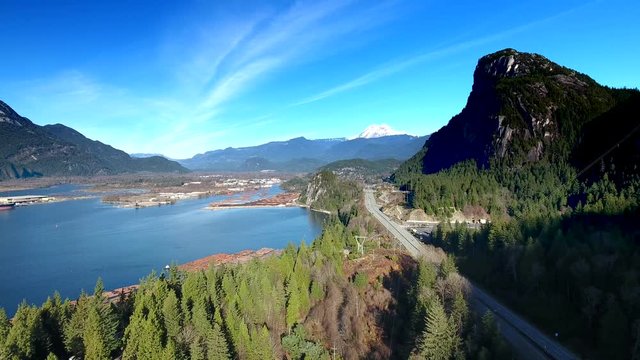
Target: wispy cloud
<point>403,64</point>
<point>299,33</point>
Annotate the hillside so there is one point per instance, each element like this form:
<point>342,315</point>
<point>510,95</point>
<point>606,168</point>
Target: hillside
<point>27,149</point>
<point>302,155</point>
<point>369,171</point>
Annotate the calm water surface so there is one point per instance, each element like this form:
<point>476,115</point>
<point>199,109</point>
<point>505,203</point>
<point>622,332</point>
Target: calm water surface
<point>66,246</point>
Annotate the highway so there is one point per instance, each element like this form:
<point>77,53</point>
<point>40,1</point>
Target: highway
<point>527,341</point>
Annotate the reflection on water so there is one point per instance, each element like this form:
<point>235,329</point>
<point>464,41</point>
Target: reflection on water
<point>66,246</point>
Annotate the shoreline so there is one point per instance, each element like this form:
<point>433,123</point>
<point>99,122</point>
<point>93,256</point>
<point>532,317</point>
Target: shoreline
<point>200,264</point>
<point>287,199</point>
<point>218,259</point>
<point>244,206</point>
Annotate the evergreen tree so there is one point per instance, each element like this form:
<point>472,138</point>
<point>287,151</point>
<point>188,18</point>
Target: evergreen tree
<point>95,347</point>
<point>143,336</point>
<point>293,303</point>
<point>5,326</point>
<point>459,312</point>
<point>438,338</point>
<point>74,329</point>
<point>197,349</point>
<point>262,349</point>
<point>55,314</point>
<point>217,348</point>
<point>171,315</point>
<point>27,338</point>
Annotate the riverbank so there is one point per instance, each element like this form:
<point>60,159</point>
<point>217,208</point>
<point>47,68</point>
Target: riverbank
<point>237,258</point>
<point>241,257</point>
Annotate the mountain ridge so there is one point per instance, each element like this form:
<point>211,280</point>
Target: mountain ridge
<point>27,149</point>
<point>290,155</point>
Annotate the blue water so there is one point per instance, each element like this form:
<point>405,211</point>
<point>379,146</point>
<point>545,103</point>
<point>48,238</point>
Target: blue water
<point>66,246</point>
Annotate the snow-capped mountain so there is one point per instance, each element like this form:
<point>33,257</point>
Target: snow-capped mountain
<point>376,131</point>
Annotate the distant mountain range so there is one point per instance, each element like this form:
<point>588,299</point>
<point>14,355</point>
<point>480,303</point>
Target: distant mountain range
<point>27,149</point>
<point>301,154</point>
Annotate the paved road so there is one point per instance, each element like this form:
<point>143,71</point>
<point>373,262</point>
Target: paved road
<point>527,341</point>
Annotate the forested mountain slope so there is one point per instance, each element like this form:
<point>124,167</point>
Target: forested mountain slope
<point>27,149</point>
<point>553,157</point>
<point>534,125</point>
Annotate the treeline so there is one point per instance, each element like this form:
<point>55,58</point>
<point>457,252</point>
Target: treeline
<point>502,191</point>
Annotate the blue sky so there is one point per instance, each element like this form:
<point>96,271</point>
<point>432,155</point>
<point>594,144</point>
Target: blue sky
<point>183,77</point>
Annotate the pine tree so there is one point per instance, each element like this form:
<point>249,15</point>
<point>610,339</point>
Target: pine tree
<point>170,352</point>
<point>27,338</point>
<point>217,348</point>
<point>55,314</point>
<point>459,312</point>
<point>196,349</point>
<point>438,338</point>
<point>171,315</point>
<point>74,329</point>
<point>293,303</point>
<point>104,326</point>
<point>95,347</point>
<point>5,326</point>
<point>261,346</point>
<point>143,336</point>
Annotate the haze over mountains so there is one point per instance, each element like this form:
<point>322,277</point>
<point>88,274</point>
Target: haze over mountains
<point>301,154</point>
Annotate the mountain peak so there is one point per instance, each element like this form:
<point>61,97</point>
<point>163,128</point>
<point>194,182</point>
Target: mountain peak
<point>512,63</point>
<point>9,116</point>
<point>376,131</point>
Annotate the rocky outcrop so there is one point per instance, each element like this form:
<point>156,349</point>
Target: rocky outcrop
<point>315,189</point>
<point>522,108</point>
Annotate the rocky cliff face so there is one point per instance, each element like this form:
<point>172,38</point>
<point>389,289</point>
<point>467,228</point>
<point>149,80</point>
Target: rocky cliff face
<point>315,189</point>
<point>27,149</point>
<point>522,108</point>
